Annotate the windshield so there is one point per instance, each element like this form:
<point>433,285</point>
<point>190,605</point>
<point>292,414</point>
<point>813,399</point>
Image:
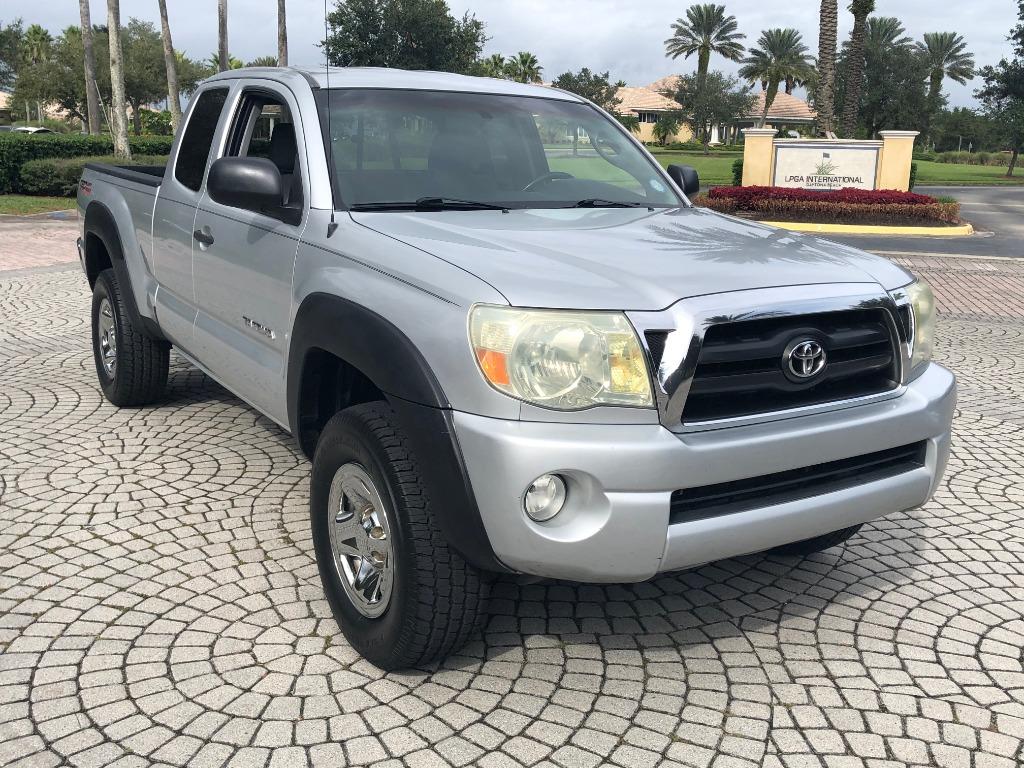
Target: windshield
<point>395,147</point>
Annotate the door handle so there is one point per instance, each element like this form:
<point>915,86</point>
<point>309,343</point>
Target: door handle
<point>202,237</point>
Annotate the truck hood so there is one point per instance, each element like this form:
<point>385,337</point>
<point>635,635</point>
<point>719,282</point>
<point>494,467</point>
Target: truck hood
<point>626,258</point>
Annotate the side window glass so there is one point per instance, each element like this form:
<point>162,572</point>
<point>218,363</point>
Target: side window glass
<point>264,128</point>
<point>194,149</point>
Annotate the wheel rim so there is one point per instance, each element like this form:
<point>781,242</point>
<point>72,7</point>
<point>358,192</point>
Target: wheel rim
<point>360,533</point>
<point>106,337</point>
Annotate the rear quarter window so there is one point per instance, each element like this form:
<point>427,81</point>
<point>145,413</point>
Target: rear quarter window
<point>194,149</point>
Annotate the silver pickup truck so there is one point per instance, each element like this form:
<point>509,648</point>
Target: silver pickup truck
<point>507,341</point>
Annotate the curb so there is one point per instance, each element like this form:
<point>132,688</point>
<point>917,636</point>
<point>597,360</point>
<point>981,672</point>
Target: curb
<point>872,229</point>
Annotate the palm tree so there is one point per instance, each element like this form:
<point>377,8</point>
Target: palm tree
<point>223,61</point>
<point>35,45</point>
<point>947,56</point>
<point>494,66</point>
<point>780,57</point>
<point>825,94</point>
<point>171,66</point>
<point>264,61</point>
<point>524,68</point>
<point>860,9</point>
<point>92,111</point>
<point>883,34</point>
<point>118,118</point>
<point>282,36</point>
<point>213,62</point>
<point>705,30</point>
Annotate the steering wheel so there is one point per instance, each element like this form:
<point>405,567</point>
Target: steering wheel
<point>549,176</point>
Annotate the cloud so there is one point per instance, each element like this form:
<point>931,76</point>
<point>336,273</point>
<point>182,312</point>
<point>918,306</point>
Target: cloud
<point>624,37</point>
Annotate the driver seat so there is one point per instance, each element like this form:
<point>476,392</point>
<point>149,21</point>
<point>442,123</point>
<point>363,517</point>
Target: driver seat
<point>460,161</point>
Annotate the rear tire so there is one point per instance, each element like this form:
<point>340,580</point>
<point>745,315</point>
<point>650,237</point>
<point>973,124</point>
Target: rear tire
<point>818,543</point>
<point>131,366</point>
<point>427,600</point>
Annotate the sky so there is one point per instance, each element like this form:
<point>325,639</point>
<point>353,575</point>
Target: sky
<point>625,37</point>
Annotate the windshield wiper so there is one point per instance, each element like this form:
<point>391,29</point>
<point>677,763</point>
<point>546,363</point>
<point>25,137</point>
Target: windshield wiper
<point>429,204</point>
<point>597,202</point>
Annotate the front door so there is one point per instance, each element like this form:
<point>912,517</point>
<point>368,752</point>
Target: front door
<point>174,218</point>
<point>244,260</point>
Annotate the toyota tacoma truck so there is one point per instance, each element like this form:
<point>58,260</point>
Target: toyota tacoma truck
<point>507,341</point>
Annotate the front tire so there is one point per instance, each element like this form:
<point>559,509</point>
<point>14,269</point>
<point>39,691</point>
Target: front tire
<point>818,543</point>
<point>401,594</point>
<point>131,366</point>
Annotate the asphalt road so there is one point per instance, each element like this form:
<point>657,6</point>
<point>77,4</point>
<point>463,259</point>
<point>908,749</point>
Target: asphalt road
<point>997,214</point>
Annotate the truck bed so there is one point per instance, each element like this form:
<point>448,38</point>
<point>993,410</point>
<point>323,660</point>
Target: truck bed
<point>148,175</point>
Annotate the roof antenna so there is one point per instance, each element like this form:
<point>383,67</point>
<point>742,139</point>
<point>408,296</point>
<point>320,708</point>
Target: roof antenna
<point>333,225</point>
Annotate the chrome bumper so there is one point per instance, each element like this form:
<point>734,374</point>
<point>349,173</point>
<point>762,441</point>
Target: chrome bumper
<point>615,526</point>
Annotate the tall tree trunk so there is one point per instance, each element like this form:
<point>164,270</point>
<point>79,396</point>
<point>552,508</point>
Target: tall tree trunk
<point>91,96</point>
<point>282,35</point>
<point>1013,162</point>
<point>171,65</point>
<point>934,97</point>
<point>222,35</point>
<point>703,60</point>
<point>824,96</point>
<point>854,76</point>
<point>769,97</point>
<point>118,118</point>
<point>136,118</point>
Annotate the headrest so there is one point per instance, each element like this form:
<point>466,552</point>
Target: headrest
<point>283,148</point>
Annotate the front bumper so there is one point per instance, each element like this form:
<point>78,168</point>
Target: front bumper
<point>615,525</point>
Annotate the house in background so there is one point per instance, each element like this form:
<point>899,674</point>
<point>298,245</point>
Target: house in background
<point>787,113</point>
<point>648,103</point>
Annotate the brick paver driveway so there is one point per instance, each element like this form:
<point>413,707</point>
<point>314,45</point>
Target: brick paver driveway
<point>159,602</point>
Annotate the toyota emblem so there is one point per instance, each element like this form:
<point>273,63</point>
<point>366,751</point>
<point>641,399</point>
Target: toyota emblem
<point>804,359</point>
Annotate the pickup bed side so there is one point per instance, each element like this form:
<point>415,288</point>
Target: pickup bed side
<point>118,220</point>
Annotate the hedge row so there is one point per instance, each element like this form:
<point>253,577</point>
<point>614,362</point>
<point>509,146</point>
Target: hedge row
<point>974,158</point>
<point>836,211</point>
<point>58,176</point>
<point>746,197</point>
<point>16,149</point>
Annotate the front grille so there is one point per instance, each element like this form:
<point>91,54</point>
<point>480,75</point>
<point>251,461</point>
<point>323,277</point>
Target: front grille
<point>740,368</point>
<point>707,501</point>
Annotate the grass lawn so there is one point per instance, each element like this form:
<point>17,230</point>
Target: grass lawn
<point>713,169</point>
<point>951,174</point>
<point>22,205</point>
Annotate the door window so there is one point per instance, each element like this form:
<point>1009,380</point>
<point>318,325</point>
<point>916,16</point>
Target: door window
<point>263,127</point>
<point>194,149</point>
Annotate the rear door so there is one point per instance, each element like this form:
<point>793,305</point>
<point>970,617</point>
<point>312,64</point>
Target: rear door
<point>175,214</point>
<point>243,269</point>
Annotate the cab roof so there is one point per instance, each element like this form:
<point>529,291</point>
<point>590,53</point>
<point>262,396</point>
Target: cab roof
<point>380,77</point>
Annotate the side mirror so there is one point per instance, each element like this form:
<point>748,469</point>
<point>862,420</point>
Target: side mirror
<point>686,177</point>
<point>250,183</point>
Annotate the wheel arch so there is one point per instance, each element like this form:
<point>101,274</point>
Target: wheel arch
<point>336,341</point>
<point>103,249</point>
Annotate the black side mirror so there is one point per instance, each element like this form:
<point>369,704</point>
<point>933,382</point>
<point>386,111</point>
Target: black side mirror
<point>686,177</point>
<point>250,183</point>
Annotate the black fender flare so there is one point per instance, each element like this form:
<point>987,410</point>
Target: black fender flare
<point>387,357</point>
<point>99,222</point>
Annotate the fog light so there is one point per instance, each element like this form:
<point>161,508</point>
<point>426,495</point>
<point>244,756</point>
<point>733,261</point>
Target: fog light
<point>545,497</point>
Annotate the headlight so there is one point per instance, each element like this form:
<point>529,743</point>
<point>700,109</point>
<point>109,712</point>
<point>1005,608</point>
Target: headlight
<point>922,305</point>
<point>562,360</point>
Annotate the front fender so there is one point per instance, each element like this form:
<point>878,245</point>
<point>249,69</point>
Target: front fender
<point>389,359</point>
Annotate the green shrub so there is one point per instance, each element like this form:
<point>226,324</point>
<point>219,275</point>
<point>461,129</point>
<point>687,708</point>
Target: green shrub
<point>58,176</point>
<point>18,148</point>
<point>737,172</point>
<point>913,175</point>
<point>847,213</point>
